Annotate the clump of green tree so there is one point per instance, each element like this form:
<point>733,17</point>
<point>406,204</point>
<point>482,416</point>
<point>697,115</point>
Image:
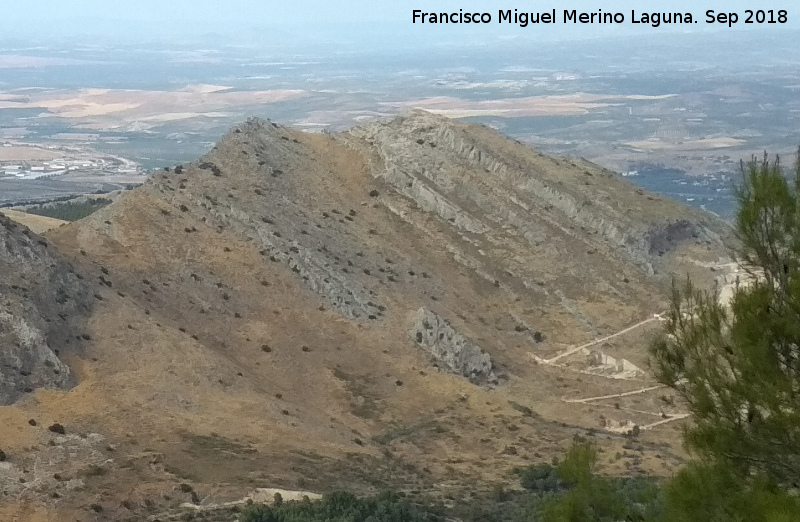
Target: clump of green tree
<point>341,507</point>
<point>584,496</point>
<point>540,478</point>
<point>738,367</point>
<point>69,210</point>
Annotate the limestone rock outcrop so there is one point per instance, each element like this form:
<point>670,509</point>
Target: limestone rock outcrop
<point>456,175</point>
<point>458,354</point>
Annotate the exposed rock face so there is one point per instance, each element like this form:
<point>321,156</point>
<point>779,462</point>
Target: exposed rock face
<point>456,174</point>
<point>669,235</point>
<point>457,353</point>
<point>42,304</point>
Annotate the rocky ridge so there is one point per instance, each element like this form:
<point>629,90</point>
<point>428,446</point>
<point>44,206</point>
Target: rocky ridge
<point>454,173</point>
<point>417,303</point>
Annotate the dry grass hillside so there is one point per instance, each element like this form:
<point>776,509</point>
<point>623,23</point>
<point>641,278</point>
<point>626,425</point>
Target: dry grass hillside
<point>38,224</point>
<point>417,304</point>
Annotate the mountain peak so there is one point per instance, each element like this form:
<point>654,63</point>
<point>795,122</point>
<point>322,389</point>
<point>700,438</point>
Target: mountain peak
<point>295,302</point>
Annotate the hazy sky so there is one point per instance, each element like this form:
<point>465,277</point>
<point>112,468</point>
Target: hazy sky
<point>343,19</point>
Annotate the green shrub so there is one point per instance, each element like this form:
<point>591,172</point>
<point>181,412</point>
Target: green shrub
<point>541,477</point>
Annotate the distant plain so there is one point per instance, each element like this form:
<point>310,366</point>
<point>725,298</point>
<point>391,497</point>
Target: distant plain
<point>678,113</point>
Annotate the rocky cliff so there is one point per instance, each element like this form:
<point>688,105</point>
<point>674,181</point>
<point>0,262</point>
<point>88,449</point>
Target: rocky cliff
<point>44,302</point>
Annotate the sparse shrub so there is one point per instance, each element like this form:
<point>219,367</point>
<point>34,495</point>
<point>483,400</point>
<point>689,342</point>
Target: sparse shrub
<point>94,471</point>
<point>57,428</point>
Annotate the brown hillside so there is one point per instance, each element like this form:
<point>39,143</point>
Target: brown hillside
<point>402,305</point>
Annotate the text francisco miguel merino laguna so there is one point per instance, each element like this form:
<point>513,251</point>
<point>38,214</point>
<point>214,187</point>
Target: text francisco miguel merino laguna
<point>771,16</point>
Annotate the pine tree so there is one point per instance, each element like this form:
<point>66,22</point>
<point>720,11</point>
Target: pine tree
<point>590,498</point>
<point>738,367</point>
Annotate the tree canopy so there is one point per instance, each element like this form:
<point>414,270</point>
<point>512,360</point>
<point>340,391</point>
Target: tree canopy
<point>738,368</point>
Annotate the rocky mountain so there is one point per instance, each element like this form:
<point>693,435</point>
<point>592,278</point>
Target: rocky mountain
<point>417,303</point>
